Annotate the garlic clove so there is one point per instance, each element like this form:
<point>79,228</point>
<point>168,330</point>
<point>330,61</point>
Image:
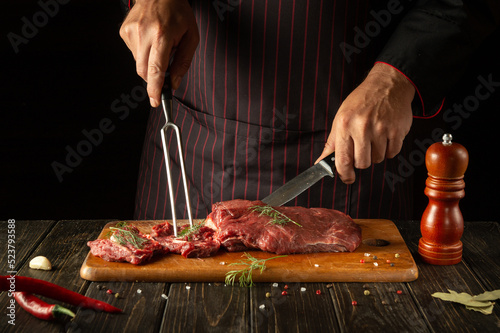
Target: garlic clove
<point>40,262</point>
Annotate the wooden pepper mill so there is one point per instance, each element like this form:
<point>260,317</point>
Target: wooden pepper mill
<point>442,223</point>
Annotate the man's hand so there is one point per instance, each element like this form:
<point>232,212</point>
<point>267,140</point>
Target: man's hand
<point>372,122</point>
<point>153,30</point>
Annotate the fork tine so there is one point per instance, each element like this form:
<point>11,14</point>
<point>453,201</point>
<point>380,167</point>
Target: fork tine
<point>166,101</point>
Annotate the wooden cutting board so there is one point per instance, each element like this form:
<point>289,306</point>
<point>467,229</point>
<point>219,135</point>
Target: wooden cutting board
<point>314,267</point>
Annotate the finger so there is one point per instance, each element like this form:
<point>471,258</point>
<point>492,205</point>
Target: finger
<point>378,150</point>
<point>393,147</point>
<point>158,61</point>
<point>329,148</point>
<point>362,153</point>
<point>344,159</point>
<point>141,56</point>
<point>183,56</point>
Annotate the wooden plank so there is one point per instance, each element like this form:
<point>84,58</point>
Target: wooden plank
<point>25,237</point>
<point>481,254</point>
<point>141,310</point>
<point>300,310</point>
<point>384,309</point>
<point>313,267</point>
<point>206,307</point>
<point>441,315</point>
<point>28,235</point>
<point>65,247</point>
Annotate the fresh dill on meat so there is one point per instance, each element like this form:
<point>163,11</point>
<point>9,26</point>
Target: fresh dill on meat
<point>276,216</point>
<point>123,235</point>
<point>189,232</point>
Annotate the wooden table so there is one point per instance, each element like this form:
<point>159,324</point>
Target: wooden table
<point>214,307</point>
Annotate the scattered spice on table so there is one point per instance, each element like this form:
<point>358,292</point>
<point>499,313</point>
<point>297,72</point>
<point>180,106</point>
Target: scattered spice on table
<point>354,303</point>
<point>284,293</point>
<point>366,292</point>
<point>318,292</point>
<point>268,294</point>
<point>362,261</point>
<point>397,255</point>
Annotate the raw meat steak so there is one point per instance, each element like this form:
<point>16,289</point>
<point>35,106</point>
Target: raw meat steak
<point>239,227</point>
<point>121,246</point>
<point>198,244</point>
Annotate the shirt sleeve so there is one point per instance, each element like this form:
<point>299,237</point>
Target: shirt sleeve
<point>433,43</point>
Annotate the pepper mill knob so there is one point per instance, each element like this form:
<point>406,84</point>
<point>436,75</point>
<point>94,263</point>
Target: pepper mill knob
<point>442,222</point>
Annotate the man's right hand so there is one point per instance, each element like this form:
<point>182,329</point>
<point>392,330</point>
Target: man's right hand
<point>153,31</point>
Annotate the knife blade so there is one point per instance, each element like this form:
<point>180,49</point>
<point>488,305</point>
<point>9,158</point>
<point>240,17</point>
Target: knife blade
<point>302,182</point>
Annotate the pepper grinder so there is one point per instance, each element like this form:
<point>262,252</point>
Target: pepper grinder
<point>442,223</point>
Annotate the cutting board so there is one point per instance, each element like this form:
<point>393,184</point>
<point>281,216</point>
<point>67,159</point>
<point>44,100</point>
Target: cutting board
<point>382,245</point>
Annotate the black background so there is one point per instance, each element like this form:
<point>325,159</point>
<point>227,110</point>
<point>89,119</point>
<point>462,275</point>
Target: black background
<point>75,71</point>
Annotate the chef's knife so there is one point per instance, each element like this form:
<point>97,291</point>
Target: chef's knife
<point>302,182</point>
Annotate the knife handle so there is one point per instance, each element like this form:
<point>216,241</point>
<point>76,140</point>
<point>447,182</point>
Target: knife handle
<point>166,91</point>
<point>330,161</point>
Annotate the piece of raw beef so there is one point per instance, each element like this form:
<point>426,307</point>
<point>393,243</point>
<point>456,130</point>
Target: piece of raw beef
<point>196,244</point>
<point>240,225</point>
<point>126,244</point>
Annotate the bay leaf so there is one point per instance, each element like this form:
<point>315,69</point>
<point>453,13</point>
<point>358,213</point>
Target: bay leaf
<point>462,298</point>
<point>484,310</point>
<point>488,296</point>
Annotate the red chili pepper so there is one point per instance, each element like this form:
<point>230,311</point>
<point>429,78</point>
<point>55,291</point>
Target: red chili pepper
<point>39,308</point>
<point>44,288</point>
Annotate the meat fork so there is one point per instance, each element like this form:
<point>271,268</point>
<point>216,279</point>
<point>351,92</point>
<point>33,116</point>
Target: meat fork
<point>166,102</point>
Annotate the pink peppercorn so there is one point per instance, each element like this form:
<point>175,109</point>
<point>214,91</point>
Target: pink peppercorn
<point>284,293</point>
<point>318,292</point>
<point>362,261</point>
<point>286,286</point>
<point>354,303</point>
<point>388,261</point>
<point>109,291</point>
<point>399,292</point>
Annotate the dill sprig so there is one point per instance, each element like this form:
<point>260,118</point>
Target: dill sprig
<point>189,232</point>
<point>276,216</point>
<point>245,278</point>
<point>123,235</point>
